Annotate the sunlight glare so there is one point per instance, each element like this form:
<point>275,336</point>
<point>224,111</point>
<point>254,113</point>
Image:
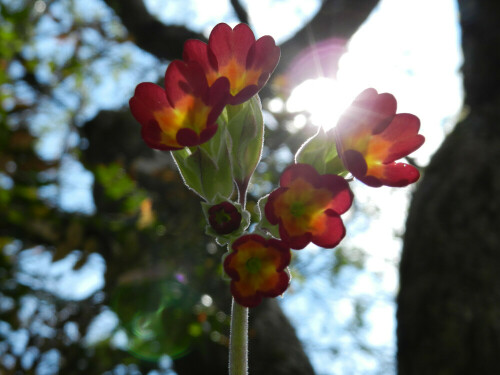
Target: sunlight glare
<point>323,98</point>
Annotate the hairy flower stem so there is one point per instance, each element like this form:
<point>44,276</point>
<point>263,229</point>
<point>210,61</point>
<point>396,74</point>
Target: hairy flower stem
<point>238,340</point>
<point>238,336</point>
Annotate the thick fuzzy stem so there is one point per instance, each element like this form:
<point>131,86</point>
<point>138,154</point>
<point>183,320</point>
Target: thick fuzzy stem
<point>238,341</point>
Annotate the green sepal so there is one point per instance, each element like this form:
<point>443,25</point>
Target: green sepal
<point>206,169</point>
<point>264,226</point>
<point>201,174</point>
<point>188,167</point>
<point>320,152</point>
<point>245,138</point>
<point>223,239</point>
<point>225,276</point>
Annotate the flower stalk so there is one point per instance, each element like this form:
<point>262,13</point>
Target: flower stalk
<point>238,340</point>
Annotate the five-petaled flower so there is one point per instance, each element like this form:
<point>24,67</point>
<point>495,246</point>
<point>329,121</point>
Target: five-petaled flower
<point>307,207</point>
<point>370,136</point>
<point>224,218</point>
<point>235,54</point>
<point>257,269</point>
<point>185,113</point>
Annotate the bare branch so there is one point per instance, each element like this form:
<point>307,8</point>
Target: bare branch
<point>336,18</point>
<point>153,36</point>
<point>240,11</point>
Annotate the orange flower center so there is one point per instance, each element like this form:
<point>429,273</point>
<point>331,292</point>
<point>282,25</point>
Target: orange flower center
<point>238,76</point>
<point>301,206</point>
<point>190,112</point>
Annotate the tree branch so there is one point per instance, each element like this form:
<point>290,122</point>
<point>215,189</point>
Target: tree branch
<point>153,36</point>
<point>241,13</point>
<point>335,19</point>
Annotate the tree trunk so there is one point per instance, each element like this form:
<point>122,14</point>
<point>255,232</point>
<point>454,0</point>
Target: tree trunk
<point>449,301</point>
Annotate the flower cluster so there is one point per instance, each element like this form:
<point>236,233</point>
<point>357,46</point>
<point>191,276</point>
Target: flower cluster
<point>230,69</point>
<point>210,117</point>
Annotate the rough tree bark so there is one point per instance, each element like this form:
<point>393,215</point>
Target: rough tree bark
<point>449,300</point>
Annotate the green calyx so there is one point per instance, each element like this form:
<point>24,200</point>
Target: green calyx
<point>320,152</point>
<point>244,138</point>
<point>206,169</point>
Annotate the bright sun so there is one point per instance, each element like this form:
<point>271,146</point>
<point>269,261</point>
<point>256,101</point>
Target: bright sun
<point>325,99</point>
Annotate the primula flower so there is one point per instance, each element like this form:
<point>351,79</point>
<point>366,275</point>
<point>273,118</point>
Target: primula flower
<point>235,54</point>
<point>257,269</point>
<point>370,136</point>
<point>307,207</point>
<point>224,218</point>
<point>182,114</point>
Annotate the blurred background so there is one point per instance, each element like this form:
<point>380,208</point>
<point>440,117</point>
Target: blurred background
<point>104,265</point>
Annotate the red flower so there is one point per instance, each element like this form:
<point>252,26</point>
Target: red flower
<point>183,114</point>
<point>307,207</point>
<point>370,136</point>
<point>235,54</point>
<point>224,218</point>
<point>257,269</point>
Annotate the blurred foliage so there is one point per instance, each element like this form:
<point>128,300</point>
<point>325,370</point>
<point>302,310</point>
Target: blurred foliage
<point>162,275</point>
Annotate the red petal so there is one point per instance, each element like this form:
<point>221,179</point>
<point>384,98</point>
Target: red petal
<point>395,175</point>
<point>218,97</point>
<point>152,134</point>
<point>284,253</point>
<point>264,54</point>
<point>147,98</point>
<point>294,242</point>
<point>207,133</point>
<point>187,137</point>
<point>225,43</point>
<point>244,94</point>
<point>366,95</point>
<point>247,301</point>
<point>304,171</point>
<point>403,132</point>
<point>279,288</point>
<point>269,207</point>
<point>371,181</point>
<point>183,79</point>
<point>369,113</point>
<point>247,238</point>
<point>342,194</point>
<point>383,110</point>
<point>355,163</point>
<point>196,50</point>
<point>333,230</point>
<point>232,273</point>
<point>403,125</point>
<point>404,148</point>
